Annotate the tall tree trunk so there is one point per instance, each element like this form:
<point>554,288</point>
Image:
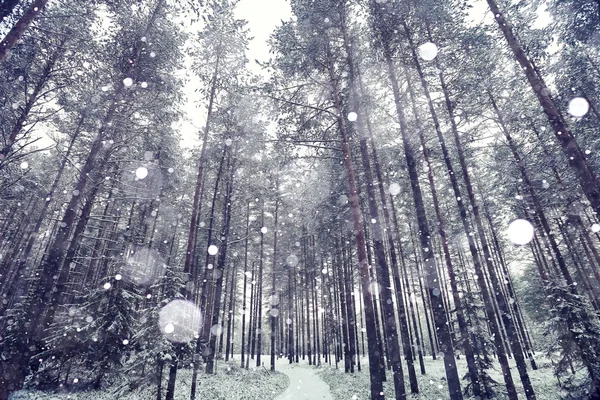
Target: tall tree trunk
<point>274,300</point>
<point>33,234</point>
<point>462,324</point>
<point>193,231</point>
<point>378,241</point>
<point>216,309</point>
<point>376,385</point>
<point>259,297</point>
<point>252,319</point>
<point>244,300</point>
<point>430,273</point>
<point>170,395</point>
<point>230,315</point>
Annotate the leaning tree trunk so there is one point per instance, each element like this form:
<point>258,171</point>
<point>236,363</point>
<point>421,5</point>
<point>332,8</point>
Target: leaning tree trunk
<point>589,353</point>
<point>32,98</point>
<point>8,283</point>
<point>15,364</point>
<point>15,34</point>
<point>587,177</point>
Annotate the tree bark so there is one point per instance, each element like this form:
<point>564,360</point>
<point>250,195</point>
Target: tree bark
<point>576,158</point>
<point>430,274</point>
<point>15,34</point>
<point>376,385</point>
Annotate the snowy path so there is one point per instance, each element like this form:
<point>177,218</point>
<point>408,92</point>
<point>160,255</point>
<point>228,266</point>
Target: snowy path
<point>304,383</point>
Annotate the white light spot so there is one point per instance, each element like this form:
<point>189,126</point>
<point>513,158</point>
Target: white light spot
<point>394,189</point>
<point>180,320</point>
<point>141,172</point>
<point>75,380</point>
<point>107,286</point>
<point>127,82</point>
<point>125,342</point>
<point>142,266</point>
<point>578,107</point>
<point>216,330</point>
<point>263,230</point>
<point>352,116</point>
<point>228,142</point>
<point>520,231</point>
<point>144,85</point>
<point>118,277</point>
<point>428,51</point>
<point>24,165</point>
<point>213,250</point>
<point>292,260</point>
<point>596,228</point>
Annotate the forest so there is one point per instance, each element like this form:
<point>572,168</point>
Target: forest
<point>401,201</point>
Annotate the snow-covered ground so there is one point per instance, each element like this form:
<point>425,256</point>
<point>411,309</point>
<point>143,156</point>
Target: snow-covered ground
<point>230,383</point>
<point>432,385</point>
<point>304,382</point>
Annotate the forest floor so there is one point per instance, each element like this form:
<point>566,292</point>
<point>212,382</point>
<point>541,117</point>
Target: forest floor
<point>230,383</point>
<point>304,382</point>
<point>432,385</point>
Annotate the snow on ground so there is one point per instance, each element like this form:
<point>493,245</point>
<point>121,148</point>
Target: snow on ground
<point>304,382</point>
<point>230,383</point>
<point>432,385</point>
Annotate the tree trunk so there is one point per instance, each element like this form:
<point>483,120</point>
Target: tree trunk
<point>430,273</point>
<point>220,268</point>
<point>587,178</point>
<point>13,36</point>
<point>259,297</point>
<point>376,385</point>
<point>243,342</point>
<point>464,329</point>
<point>274,300</point>
<point>193,231</point>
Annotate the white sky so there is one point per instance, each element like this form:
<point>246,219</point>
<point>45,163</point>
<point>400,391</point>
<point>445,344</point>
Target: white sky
<point>263,16</point>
